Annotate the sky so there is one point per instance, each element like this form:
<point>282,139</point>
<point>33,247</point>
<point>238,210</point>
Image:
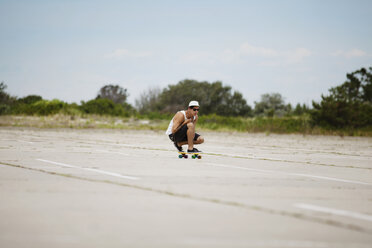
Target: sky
<point>69,49</point>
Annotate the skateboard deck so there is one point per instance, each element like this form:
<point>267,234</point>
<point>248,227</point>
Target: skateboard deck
<point>186,155</point>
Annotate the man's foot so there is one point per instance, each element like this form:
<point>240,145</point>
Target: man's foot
<point>179,148</point>
<point>193,151</point>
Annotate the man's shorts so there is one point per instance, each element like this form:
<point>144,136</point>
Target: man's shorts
<point>181,135</point>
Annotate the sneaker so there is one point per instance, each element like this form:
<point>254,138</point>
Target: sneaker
<point>193,151</point>
<point>179,148</point>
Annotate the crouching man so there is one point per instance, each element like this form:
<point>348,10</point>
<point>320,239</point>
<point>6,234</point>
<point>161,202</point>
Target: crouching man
<point>181,129</point>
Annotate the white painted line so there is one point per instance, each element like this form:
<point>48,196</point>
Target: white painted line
<point>329,178</point>
<point>89,169</point>
<point>334,211</point>
<point>291,174</point>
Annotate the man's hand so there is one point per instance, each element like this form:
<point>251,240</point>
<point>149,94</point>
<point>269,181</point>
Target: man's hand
<point>196,118</point>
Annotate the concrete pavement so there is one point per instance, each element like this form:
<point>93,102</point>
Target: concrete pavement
<point>120,188</point>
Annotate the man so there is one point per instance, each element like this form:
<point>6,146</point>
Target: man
<point>181,129</point>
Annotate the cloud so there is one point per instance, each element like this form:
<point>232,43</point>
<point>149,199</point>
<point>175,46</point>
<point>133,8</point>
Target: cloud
<point>266,56</point>
<point>125,53</point>
<point>247,53</point>
<point>197,57</point>
<point>248,50</point>
<point>297,55</point>
<point>350,54</point>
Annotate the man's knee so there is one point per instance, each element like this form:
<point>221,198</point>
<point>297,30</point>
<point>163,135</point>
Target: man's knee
<point>200,140</point>
<point>190,125</point>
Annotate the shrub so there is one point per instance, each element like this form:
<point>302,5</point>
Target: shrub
<point>45,107</point>
<point>102,106</point>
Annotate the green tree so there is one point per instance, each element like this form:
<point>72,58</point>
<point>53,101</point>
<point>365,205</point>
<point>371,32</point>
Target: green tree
<point>29,99</point>
<point>6,101</point>
<point>347,105</point>
<point>270,105</point>
<point>214,98</point>
<point>114,93</point>
<point>25,105</point>
<point>103,106</point>
<point>300,109</point>
<point>5,98</point>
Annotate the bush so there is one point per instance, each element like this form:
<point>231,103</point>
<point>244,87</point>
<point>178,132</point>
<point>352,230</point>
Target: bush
<point>4,109</point>
<point>24,105</point>
<point>30,99</point>
<point>45,107</point>
<point>102,106</point>
<point>71,109</point>
<point>42,107</point>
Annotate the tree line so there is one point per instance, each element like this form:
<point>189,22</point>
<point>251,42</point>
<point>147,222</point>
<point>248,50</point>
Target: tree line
<point>348,105</point>
<point>215,98</point>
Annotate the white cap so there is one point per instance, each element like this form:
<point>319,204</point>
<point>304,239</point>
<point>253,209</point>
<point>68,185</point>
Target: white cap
<point>194,103</point>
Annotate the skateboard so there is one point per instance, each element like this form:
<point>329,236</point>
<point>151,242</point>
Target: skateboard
<point>186,155</point>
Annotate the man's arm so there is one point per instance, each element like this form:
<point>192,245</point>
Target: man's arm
<point>178,122</point>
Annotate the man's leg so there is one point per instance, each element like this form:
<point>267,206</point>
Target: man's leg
<point>183,132</point>
<point>190,135</point>
<point>199,139</point>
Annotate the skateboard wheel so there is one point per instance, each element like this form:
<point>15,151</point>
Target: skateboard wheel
<point>186,156</point>
<point>180,156</point>
<point>199,157</point>
<point>193,156</point>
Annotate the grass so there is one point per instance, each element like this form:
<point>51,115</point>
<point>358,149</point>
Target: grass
<point>81,122</point>
<point>282,125</point>
<point>261,124</point>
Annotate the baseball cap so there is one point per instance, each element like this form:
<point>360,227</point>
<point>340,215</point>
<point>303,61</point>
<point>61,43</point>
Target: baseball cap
<point>194,104</point>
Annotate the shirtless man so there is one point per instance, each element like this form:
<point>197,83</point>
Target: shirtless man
<point>181,129</point>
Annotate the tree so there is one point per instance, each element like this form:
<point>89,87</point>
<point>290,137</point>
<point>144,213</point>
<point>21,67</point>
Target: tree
<point>26,105</point>
<point>2,91</point>
<point>347,105</point>
<point>300,109</point>
<point>270,105</point>
<point>6,101</point>
<point>234,105</point>
<point>103,106</point>
<point>30,99</point>
<point>148,100</point>
<point>214,98</point>
<point>5,98</point>
<point>114,93</point>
